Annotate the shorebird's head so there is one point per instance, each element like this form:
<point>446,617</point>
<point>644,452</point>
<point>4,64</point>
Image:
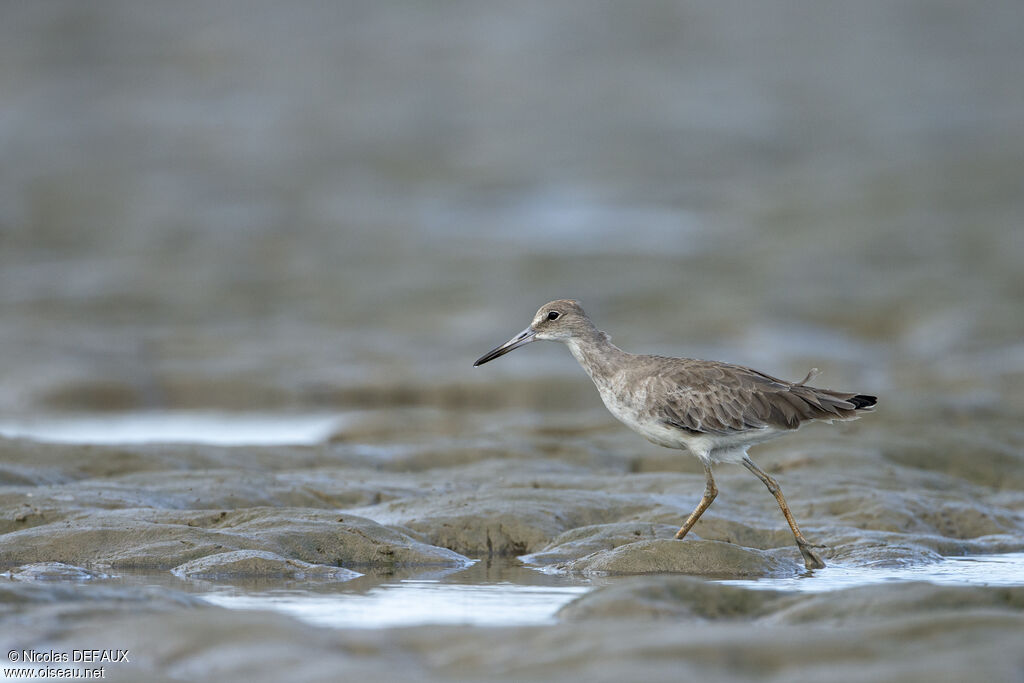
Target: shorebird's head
<point>559,320</point>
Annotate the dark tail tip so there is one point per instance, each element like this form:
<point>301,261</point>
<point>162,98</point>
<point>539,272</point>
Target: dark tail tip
<point>861,401</point>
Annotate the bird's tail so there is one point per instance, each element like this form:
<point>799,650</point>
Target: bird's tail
<point>836,402</point>
<point>863,402</point>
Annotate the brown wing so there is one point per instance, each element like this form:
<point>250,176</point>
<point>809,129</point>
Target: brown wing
<point>719,398</point>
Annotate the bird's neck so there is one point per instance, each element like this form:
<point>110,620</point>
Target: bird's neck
<point>596,353</point>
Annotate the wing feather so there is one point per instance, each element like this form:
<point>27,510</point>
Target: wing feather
<point>719,398</point>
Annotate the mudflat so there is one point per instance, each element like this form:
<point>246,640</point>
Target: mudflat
<point>77,519</point>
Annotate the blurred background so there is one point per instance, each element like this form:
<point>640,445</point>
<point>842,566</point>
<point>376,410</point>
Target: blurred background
<point>282,206</point>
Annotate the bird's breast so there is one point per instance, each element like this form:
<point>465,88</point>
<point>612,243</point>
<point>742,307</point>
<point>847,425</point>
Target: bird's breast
<point>629,405</point>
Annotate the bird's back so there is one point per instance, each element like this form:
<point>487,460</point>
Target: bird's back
<point>709,397</point>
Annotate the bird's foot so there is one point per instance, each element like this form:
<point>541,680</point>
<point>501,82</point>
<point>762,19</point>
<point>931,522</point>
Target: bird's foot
<point>812,560</point>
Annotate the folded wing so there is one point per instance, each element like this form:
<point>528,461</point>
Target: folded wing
<point>719,398</point>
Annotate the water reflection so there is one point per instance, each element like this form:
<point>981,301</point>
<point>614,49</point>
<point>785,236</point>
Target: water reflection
<point>413,602</point>
<point>485,594</point>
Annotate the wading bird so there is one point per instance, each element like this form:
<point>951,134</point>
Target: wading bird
<point>716,411</point>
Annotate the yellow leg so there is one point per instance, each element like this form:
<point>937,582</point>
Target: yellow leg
<point>811,559</point>
<point>710,491</point>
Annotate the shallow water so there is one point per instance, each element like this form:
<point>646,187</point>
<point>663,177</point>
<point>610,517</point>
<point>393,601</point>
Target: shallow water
<point>199,427</point>
<point>978,570</point>
<point>414,602</point>
<point>504,593</point>
<point>488,593</point>
<point>534,598</point>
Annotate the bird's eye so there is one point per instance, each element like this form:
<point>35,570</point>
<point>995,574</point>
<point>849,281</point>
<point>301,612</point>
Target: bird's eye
<point>553,315</point>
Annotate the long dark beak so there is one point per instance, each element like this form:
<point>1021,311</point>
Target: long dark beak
<point>525,337</point>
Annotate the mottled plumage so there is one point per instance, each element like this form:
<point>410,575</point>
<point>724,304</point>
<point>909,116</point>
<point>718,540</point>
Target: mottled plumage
<point>714,410</point>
